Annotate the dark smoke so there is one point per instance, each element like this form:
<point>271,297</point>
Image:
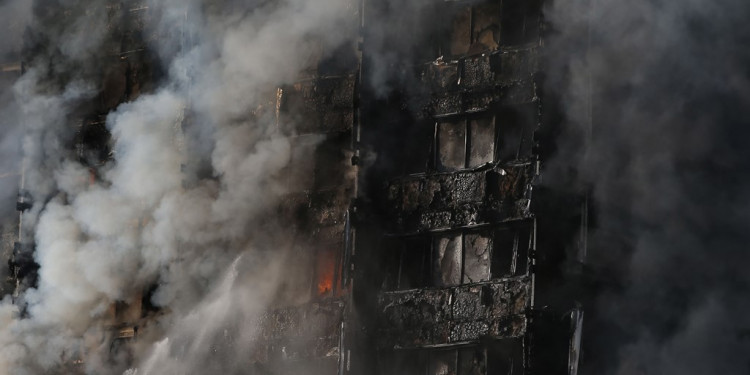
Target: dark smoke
<point>667,165</point>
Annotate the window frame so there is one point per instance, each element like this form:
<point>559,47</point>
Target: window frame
<point>427,247</point>
<point>468,132</point>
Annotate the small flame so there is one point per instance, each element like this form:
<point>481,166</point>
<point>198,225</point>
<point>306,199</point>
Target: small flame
<point>325,271</point>
<point>325,284</point>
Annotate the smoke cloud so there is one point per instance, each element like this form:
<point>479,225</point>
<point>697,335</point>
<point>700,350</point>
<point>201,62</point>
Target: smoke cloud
<point>657,89</point>
<point>152,215</point>
<point>664,85</point>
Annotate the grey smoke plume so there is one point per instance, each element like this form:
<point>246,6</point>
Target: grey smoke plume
<point>13,18</point>
<point>212,244</point>
<point>667,166</point>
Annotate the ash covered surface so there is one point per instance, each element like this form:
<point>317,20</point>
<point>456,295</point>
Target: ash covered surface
<point>442,201</point>
<point>464,313</point>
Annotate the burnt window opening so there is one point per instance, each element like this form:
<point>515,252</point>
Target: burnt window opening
<point>408,264</point>
<point>147,301</point>
<point>448,259</point>
<point>417,29</point>
<point>520,21</point>
<point>447,29</point>
<point>296,288</point>
<point>500,357</point>
<point>330,162</point>
<point>125,312</point>
<point>554,341</point>
<point>23,266</point>
<point>342,60</point>
<point>121,350</point>
<point>505,357</point>
<point>296,108</point>
<point>282,363</point>
<point>460,36</point>
<point>407,362</point>
<point>465,143</point>
<point>314,272</point>
<point>502,135</point>
<point>327,271</point>
<point>92,142</point>
<point>473,30</point>
<point>472,361</point>
<point>477,252</point>
<point>299,174</point>
<point>456,258</point>
<point>515,139</point>
<point>451,145</point>
<point>321,105</point>
<point>510,250</point>
<point>416,148</point>
<point>443,362</point>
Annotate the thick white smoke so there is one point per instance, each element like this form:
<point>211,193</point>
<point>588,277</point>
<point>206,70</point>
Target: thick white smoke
<point>212,245</point>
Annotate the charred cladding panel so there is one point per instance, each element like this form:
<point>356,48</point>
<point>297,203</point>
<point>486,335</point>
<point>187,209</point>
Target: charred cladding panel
<point>324,105</point>
<point>447,200</point>
<point>430,317</point>
<point>290,335</point>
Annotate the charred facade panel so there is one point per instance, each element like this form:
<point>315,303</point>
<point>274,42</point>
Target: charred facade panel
<point>460,314</point>
<point>448,200</point>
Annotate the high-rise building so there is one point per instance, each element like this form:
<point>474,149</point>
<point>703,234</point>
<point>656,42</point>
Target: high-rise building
<point>453,105</point>
<point>421,242</point>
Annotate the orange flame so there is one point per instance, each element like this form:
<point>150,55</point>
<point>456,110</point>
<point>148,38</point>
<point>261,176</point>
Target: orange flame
<point>325,270</point>
<point>325,283</point>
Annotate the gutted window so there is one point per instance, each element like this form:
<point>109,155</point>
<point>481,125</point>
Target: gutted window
<point>505,357</point>
<point>465,143</point>
<point>295,288</point>
<point>510,251</point>
<point>451,138</point>
<point>476,258</point>
<point>406,362</point>
<point>516,131</point>
<point>460,39</point>
<point>520,21</point>
<point>485,27</point>
<point>472,361</point>
<point>410,264</point>
<point>330,161</point>
<point>448,260</point>
<point>442,362</point>
<point>299,173</point>
<point>501,357</point>
<point>327,279</point>
<point>455,258</point>
<point>415,148</point>
<point>481,141</point>
<point>505,134</point>
<point>314,271</point>
<point>473,30</point>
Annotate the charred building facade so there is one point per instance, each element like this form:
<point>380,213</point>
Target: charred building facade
<point>467,256</point>
<point>420,242</point>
